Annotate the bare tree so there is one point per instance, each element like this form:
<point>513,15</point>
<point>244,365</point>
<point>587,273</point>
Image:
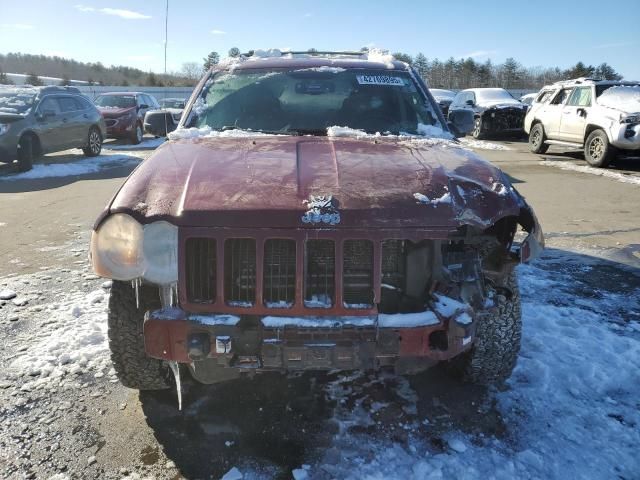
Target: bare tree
<point>191,71</point>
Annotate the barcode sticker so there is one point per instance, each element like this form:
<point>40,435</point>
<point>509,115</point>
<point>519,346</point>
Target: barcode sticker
<point>380,80</point>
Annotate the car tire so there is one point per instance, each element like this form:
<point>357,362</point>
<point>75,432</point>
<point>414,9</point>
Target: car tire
<point>537,138</point>
<point>477,132</point>
<point>137,134</point>
<point>26,152</point>
<point>497,343</point>
<point>125,322</point>
<point>598,152</point>
<point>94,143</point>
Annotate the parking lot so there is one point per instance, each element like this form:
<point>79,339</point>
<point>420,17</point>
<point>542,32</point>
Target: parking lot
<point>71,418</point>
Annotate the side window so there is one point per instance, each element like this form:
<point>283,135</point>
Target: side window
<point>581,97</point>
<point>458,100</point>
<point>154,103</point>
<point>561,96</point>
<point>68,104</point>
<point>139,100</point>
<point>544,96</point>
<point>49,103</point>
<point>84,103</point>
<point>471,96</point>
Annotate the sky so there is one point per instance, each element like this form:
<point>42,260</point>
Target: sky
<point>131,32</point>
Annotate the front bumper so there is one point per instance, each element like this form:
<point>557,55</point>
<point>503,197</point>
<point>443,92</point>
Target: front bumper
<point>308,343</point>
<point>625,136</point>
<point>505,120</point>
<point>118,128</point>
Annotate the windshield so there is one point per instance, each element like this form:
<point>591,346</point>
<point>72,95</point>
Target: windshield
<point>448,94</point>
<point>172,103</point>
<point>16,102</point>
<point>308,101</point>
<point>115,101</point>
<point>494,95</point>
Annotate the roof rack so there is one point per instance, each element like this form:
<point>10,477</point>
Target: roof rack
<point>346,53</point>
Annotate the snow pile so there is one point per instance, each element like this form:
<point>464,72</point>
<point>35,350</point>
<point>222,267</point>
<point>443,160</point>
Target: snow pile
<point>81,167</point>
<point>433,131</point>
<point>323,69</point>
<point>424,131</point>
<point>481,145</point>
<point>407,320</point>
<point>624,98</point>
<point>70,338</point>
<point>422,198</point>
<point>603,172</point>
<point>380,56</point>
<point>208,132</point>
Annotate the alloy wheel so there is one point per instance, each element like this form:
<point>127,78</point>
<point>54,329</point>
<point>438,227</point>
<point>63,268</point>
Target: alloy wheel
<point>94,142</point>
<point>596,148</point>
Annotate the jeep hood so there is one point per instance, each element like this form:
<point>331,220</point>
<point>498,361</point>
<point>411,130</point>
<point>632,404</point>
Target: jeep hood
<point>268,181</point>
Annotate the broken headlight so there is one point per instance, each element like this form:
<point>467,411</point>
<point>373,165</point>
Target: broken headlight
<point>630,118</point>
<point>123,249</point>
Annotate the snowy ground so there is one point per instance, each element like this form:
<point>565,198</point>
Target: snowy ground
<point>470,142</point>
<point>570,410</point>
<point>603,172</point>
<point>146,144</point>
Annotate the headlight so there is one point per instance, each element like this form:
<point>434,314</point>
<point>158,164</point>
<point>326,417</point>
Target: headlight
<point>123,249</point>
<point>630,119</point>
<point>4,128</point>
<point>160,251</point>
<point>116,248</point>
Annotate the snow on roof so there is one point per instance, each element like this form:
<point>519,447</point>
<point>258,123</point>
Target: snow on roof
<point>624,98</point>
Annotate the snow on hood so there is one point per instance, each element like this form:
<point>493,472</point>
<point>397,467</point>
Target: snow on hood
<point>428,131</point>
<point>208,132</point>
<point>503,103</point>
<point>624,98</point>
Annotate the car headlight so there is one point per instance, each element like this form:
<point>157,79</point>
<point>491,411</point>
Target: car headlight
<point>4,128</point>
<point>123,249</point>
<point>630,118</point>
<point>160,251</point>
<point>116,248</point>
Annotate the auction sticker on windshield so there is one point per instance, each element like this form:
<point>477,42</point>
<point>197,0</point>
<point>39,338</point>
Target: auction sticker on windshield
<point>379,80</point>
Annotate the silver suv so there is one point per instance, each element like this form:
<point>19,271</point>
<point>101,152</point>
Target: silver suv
<point>601,116</point>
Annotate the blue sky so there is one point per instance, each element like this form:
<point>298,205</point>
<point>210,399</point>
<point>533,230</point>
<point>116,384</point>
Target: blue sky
<point>131,32</point>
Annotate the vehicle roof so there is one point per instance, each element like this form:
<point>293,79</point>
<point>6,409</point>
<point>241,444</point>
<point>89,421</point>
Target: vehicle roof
<point>591,81</point>
<point>121,93</point>
<point>484,90</point>
<point>349,60</point>
<point>441,90</point>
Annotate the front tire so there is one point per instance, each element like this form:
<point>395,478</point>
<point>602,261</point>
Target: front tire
<point>94,143</point>
<point>537,138</point>
<point>477,132</point>
<point>136,136</point>
<point>26,149</point>
<point>598,152</point>
<point>497,344</point>
<point>126,340</point>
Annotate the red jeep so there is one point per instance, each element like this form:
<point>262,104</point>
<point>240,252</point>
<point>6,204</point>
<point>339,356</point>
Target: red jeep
<point>313,211</point>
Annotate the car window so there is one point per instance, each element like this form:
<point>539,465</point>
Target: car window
<point>544,96</point>
<point>561,96</point>
<point>49,104</point>
<point>69,104</point>
<point>457,100</point>
<point>581,97</point>
<point>311,100</point>
<point>152,102</point>
<point>85,102</point>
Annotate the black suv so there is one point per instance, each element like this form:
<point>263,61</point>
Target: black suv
<point>39,120</point>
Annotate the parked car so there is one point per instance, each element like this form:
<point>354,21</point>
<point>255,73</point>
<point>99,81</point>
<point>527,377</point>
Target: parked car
<point>39,120</point>
<point>297,221</point>
<point>444,99</point>
<point>495,111</point>
<point>124,113</point>
<point>528,99</point>
<point>600,116</point>
<point>173,108</point>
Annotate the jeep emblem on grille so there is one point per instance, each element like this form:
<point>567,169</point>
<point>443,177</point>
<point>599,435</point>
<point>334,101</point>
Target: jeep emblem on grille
<point>321,209</point>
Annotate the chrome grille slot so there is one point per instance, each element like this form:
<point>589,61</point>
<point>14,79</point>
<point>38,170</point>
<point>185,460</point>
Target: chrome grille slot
<point>357,274</point>
<point>201,270</point>
<point>319,277</point>
<point>240,272</point>
<point>279,274</point>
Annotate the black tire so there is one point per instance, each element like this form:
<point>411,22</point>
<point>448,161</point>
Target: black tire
<point>137,134</point>
<point>477,132</point>
<point>126,341</point>
<point>598,152</point>
<point>94,143</point>
<point>495,351</point>
<point>26,153</point>
<point>537,138</point>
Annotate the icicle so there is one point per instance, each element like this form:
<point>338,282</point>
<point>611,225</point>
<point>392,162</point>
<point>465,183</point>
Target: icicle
<point>175,368</point>
<point>136,285</point>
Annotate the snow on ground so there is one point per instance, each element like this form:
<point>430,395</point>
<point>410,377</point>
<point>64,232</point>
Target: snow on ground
<point>571,409</point>
<point>82,166</point>
<point>481,144</point>
<point>603,172</point>
<point>146,144</point>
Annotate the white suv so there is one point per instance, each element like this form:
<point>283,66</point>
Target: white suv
<point>600,116</point>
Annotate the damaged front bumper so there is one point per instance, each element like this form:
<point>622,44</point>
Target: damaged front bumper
<point>409,342</point>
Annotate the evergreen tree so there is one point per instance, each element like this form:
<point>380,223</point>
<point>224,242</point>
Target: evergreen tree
<point>421,64</point>
<point>33,79</point>
<point>234,52</point>
<point>580,70</point>
<point>65,81</point>
<point>210,60</point>
<point>605,71</point>
<point>4,79</point>
<point>403,57</point>
<point>151,80</point>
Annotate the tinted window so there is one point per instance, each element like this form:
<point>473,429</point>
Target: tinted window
<point>116,101</point>
<point>49,104</point>
<point>153,103</point>
<point>561,96</point>
<point>581,97</point>
<point>69,104</point>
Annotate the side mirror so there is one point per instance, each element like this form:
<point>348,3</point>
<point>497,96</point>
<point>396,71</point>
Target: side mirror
<point>159,123</point>
<point>143,106</point>
<point>460,122</point>
<point>471,103</point>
